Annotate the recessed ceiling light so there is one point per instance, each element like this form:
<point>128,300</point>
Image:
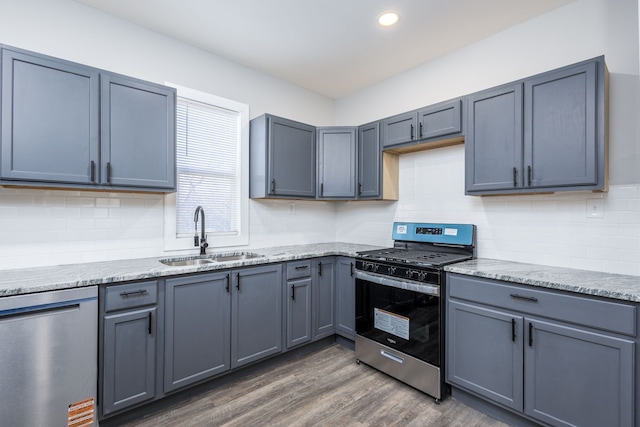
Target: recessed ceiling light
<point>388,19</point>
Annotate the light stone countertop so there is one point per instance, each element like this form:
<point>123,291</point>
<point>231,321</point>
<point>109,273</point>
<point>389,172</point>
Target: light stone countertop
<point>608,285</point>
<point>42,279</point>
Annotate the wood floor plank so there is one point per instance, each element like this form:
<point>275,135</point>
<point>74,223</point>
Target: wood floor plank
<point>326,388</point>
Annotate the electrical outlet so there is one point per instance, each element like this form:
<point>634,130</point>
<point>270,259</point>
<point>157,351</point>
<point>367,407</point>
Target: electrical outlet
<point>595,208</point>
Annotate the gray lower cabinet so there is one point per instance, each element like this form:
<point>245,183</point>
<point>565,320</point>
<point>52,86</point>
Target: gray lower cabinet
<point>197,334</point>
<point>299,311</point>
<point>324,289</point>
<point>556,358</point>
<point>69,125</point>
<point>128,345</point>
<point>337,162</point>
<point>543,133</point>
<point>282,156</point>
<point>345,303</point>
<point>256,314</point>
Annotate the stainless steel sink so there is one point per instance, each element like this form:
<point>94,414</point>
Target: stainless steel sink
<point>236,257</point>
<point>186,262</point>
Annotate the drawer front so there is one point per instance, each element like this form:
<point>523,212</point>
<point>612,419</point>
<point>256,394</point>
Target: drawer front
<point>131,295</point>
<point>590,312</point>
<point>298,269</point>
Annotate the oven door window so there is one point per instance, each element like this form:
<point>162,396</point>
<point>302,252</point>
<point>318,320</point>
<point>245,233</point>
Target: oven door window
<point>406,321</point>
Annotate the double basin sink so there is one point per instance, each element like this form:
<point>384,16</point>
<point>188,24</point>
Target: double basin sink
<point>211,259</point>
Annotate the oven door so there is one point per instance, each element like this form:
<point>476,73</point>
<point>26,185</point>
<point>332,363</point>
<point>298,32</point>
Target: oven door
<point>403,315</point>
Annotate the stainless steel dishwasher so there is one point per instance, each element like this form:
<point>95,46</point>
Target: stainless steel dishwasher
<point>48,358</point>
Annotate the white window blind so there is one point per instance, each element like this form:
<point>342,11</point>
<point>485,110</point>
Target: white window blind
<point>208,166</point>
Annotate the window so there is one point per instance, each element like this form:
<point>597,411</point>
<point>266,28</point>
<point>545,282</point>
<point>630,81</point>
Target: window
<point>212,171</point>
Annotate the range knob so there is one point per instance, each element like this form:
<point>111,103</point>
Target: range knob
<point>392,270</point>
<point>410,273</point>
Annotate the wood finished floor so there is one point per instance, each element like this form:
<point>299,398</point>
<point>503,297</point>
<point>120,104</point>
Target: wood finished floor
<point>326,388</point>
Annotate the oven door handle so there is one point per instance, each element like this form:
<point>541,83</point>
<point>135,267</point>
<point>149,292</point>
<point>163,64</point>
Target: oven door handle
<point>410,285</point>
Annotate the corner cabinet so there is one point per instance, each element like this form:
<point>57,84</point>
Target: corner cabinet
<point>282,157</point>
<point>550,357</point>
<point>542,134</point>
<point>72,126</point>
<point>337,163</point>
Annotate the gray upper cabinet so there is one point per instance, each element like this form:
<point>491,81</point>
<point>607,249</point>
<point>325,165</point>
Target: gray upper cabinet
<point>197,334</point>
<point>544,133</point>
<point>438,121</point>
<point>50,120</point>
<point>282,156</point>
<point>138,134</point>
<point>337,163</point>
<point>68,125</point>
<point>369,161</point>
<point>493,143</point>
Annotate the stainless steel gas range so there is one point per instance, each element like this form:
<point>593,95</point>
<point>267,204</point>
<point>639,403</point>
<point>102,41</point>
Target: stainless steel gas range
<point>399,304</point>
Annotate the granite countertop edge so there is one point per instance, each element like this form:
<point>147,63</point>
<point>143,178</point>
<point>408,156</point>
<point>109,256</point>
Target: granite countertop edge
<point>68,276</point>
<point>586,282</point>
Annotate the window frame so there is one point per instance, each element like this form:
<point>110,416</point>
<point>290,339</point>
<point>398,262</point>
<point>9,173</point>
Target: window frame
<point>217,241</point>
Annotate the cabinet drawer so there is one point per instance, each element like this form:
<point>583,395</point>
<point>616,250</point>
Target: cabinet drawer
<point>298,269</point>
<point>119,297</point>
<point>594,313</point>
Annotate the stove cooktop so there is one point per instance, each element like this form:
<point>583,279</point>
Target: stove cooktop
<point>414,257</point>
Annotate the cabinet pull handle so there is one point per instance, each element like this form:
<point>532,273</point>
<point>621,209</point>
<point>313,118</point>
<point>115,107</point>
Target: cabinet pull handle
<point>524,297</point>
<point>351,269</point>
<point>238,281</point>
<point>513,330</point>
<point>420,129</point>
<point>301,267</point>
<point>93,171</point>
<point>150,322</point>
<point>411,131</point>
<point>359,188</point>
<point>320,268</point>
<point>529,175</point>
<point>273,186</point>
<point>138,292</point>
<point>227,285</point>
<point>108,172</point>
<point>515,177</point>
<point>293,292</point>
<point>530,334</point>
<point>322,189</point>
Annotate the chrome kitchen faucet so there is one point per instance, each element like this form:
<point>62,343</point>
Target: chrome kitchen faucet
<point>202,239</point>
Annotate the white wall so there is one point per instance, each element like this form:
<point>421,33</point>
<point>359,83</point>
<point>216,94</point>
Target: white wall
<point>545,229</point>
<point>48,227</point>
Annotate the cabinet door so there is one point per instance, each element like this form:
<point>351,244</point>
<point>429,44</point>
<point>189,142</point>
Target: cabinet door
<point>484,352</point>
<point>575,377</point>
<point>299,312</point>
<point>50,120</point>
<point>337,163</point>
<point>369,161</point>
<point>440,120</point>
<point>129,359</point>
<point>324,289</point>
<point>138,134</point>
<point>292,158</point>
<point>197,328</point>
<point>399,129</point>
<point>345,298</point>
<point>493,143</point>
<point>560,136</point>
<point>256,323</point>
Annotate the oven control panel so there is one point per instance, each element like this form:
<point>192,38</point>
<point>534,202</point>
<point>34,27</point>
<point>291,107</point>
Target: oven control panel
<point>448,234</point>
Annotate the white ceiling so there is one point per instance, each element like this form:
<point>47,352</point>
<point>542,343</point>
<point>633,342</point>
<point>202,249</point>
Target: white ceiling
<point>334,47</point>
